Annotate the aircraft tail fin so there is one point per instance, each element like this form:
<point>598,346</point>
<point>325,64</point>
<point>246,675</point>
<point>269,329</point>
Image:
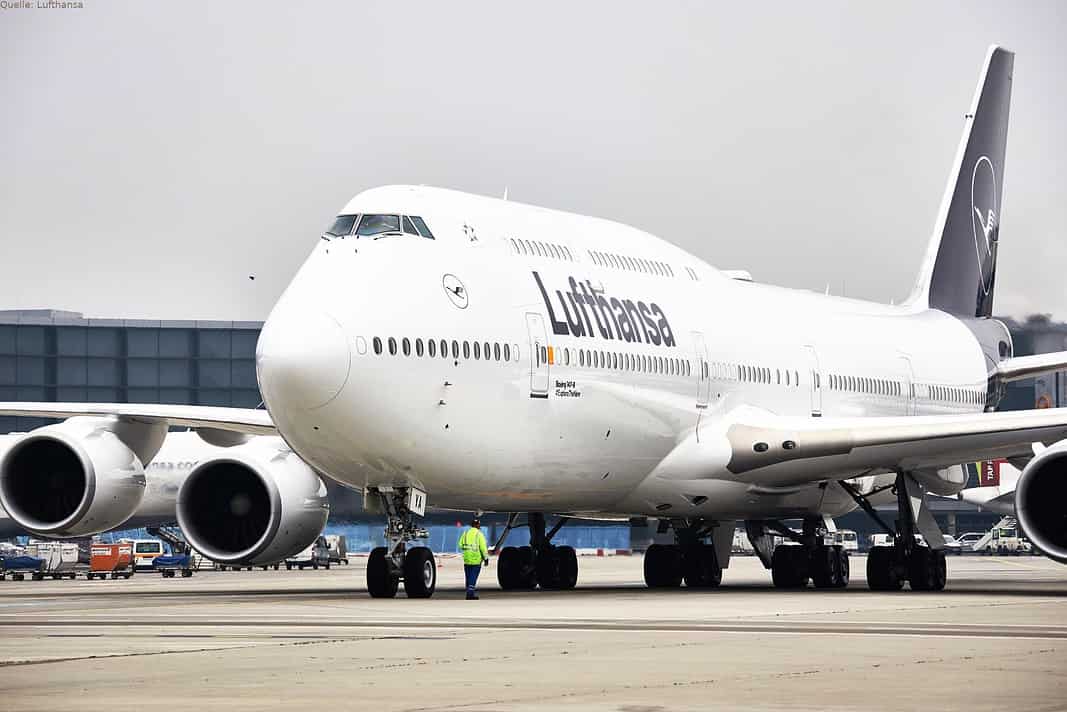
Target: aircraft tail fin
<point>959,271</point>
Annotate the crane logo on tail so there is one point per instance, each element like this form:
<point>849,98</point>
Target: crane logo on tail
<point>984,221</point>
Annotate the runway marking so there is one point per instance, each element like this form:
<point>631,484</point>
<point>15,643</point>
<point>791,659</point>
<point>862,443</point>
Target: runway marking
<point>921,630</point>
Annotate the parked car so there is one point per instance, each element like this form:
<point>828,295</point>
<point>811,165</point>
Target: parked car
<point>316,555</point>
<point>967,540</point>
<point>952,546</point>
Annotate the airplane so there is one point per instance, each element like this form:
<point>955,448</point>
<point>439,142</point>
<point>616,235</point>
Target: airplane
<point>488,355</point>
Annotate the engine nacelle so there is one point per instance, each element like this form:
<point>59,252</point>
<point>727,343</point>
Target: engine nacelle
<point>79,477</point>
<point>1041,501</point>
<point>257,504</point>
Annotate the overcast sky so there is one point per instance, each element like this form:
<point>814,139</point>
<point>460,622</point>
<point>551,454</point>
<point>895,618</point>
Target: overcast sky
<point>156,154</point>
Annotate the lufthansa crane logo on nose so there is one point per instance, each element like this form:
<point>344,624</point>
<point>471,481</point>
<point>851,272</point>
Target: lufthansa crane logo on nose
<point>984,219</point>
<point>457,293</point>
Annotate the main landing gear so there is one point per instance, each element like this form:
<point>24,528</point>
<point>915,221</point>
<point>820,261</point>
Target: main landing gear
<point>921,565</point>
<point>389,565</point>
<point>539,564</point>
<point>691,559</point>
<point>810,558</point>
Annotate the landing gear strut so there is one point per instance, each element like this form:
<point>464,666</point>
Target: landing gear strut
<point>824,564</point>
<point>691,559</point>
<point>389,565</point>
<point>541,563</point>
<point>921,565</point>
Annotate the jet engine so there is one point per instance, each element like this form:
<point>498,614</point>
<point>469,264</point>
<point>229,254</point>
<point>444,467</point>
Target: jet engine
<point>1041,501</point>
<point>256,504</point>
<point>79,477</point>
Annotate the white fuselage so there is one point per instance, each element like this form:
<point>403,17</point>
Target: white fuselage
<point>579,429</point>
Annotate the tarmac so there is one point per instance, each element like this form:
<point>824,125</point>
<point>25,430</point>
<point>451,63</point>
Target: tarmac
<point>996,638</point>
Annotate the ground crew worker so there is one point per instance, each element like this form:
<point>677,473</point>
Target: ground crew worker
<point>475,555</point>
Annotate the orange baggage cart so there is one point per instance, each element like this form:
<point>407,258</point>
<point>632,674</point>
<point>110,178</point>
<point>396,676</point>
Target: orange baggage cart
<point>110,559</point>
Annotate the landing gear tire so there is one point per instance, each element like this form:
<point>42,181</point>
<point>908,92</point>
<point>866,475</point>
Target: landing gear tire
<point>382,581</point>
<point>843,567</point>
<point>568,567</point>
<point>829,567</point>
<point>701,567</point>
<point>557,569</point>
<point>789,567</point>
<point>507,568</point>
<point>927,569</point>
<point>663,566</point>
<point>882,572</point>
<point>420,573</point>
<point>515,569</point>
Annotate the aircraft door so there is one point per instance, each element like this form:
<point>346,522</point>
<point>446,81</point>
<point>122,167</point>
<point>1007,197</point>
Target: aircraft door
<point>535,326</point>
<point>908,384</point>
<point>815,376</point>
<point>703,372</point>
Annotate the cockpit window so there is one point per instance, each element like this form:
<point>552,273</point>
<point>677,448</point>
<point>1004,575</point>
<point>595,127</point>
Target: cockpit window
<point>372,225</point>
<point>420,224</point>
<point>409,227</point>
<point>342,225</point>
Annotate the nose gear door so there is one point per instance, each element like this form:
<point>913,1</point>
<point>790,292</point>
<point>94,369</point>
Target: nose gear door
<point>535,326</point>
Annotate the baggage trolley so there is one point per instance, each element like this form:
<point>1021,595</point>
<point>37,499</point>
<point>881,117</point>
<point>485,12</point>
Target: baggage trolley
<point>113,560</point>
<point>168,566</point>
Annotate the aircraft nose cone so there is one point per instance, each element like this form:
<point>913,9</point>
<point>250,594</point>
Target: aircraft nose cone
<point>302,359</point>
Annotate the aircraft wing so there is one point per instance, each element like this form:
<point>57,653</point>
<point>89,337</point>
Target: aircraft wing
<point>1016,369</point>
<point>763,448</point>
<point>998,500</point>
<point>241,420</point>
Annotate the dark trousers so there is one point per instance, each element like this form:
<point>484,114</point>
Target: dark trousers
<point>471,572</point>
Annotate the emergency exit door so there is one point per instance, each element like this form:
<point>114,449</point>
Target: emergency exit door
<point>535,326</point>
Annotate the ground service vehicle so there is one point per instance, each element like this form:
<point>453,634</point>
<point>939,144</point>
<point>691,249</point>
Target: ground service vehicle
<point>59,558</point>
<point>18,567</point>
<point>314,556</point>
<point>168,566</point>
<point>144,551</point>
<point>847,539</point>
<point>112,560</point>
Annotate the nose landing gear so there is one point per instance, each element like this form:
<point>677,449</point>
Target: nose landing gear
<point>396,562</point>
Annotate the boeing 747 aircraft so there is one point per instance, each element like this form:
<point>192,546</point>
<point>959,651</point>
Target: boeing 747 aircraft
<point>482,354</point>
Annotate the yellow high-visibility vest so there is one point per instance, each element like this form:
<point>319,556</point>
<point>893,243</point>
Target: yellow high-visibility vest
<point>472,545</point>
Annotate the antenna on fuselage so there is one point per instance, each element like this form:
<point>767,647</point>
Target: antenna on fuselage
<point>505,192</point>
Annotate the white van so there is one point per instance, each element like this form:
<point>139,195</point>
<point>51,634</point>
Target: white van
<point>847,539</point>
<point>145,551</point>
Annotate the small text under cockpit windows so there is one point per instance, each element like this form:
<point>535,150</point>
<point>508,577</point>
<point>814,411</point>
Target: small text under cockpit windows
<point>342,225</point>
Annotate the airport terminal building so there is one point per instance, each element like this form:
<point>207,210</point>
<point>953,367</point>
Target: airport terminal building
<point>50,355</point>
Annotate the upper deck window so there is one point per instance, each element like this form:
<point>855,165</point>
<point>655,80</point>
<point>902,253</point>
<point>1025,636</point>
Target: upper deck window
<point>342,225</point>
